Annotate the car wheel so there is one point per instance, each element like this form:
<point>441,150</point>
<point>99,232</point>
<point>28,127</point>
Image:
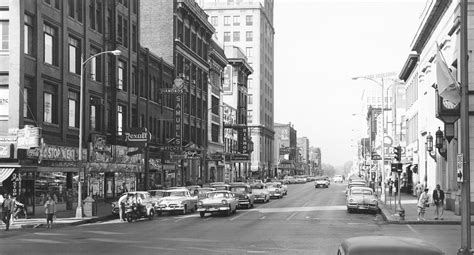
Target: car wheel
<point>151,214</point>
<point>202,214</point>
<point>129,217</point>
<point>185,209</point>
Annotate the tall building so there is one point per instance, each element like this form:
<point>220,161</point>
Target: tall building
<point>179,31</point>
<point>303,149</point>
<point>40,72</point>
<point>287,152</point>
<point>248,24</point>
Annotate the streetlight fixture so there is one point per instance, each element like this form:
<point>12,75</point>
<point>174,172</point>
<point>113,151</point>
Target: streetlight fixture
<point>81,120</point>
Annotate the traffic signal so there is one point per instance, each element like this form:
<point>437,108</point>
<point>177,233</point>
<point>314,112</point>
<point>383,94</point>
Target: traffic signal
<point>398,153</point>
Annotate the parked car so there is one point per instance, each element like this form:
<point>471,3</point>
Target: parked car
<point>321,182</point>
<point>243,193</point>
<point>354,184</point>
<point>300,180</point>
<point>221,201</point>
<point>361,198</point>
<point>290,179</point>
<point>156,195</point>
<point>223,186</point>
<point>337,178</point>
<point>282,186</point>
<point>384,245</point>
<point>192,189</point>
<point>261,193</point>
<point>275,190</point>
<point>143,198</point>
<point>177,200</point>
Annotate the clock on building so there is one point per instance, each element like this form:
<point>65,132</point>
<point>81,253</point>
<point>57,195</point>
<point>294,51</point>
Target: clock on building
<point>448,104</point>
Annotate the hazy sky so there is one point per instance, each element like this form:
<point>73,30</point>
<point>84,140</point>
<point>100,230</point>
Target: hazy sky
<point>319,46</point>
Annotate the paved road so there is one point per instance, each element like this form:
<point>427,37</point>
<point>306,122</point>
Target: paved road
<point>307,221</point>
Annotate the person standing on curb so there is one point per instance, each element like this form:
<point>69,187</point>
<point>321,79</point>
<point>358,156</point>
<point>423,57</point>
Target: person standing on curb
<point>122,202</point>
<point>50,210</point>
<point>423,202</point>
<point>418,190</point>
<point>438,200</point>
<point>7,208</point>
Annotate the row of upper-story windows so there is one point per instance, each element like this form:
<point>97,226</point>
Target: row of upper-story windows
<point>235,20</point>
<point>194,38</point>
<point>236,36</point>
<point>412,91</point>
<point>412,129</point>
<point>4,35</point>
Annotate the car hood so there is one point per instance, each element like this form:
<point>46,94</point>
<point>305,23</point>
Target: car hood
<point>172,199</point>
<point>208,201</point>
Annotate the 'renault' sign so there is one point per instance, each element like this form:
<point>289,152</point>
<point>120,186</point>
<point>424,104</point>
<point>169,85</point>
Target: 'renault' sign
<point>137,137</point>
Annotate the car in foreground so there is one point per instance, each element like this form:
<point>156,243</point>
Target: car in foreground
<point>275,190</point>
<point>243,193</point>
<point>261,193</point>
<point>221,201</point>
<point>177,200</point>
<point>386,245</point>
<point>321,183</point>
<point>361,198</point>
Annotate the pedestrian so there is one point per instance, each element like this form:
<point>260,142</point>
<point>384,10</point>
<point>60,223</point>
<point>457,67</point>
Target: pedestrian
<point>7,209</point>
<point>122,204</point>
<point>396,186</point>
<point>50,210</point>
<point>423,202</point>
<point>390,187</point>
<point>418,190</point>
<point>438,200</point>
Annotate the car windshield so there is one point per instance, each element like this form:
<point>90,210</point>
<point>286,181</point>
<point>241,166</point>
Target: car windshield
<point>220,187</point>
<point>174,193</point>
<point>238,189</point>
<point>361,192</point>
<point>218,195</point>
<point>157,193</point>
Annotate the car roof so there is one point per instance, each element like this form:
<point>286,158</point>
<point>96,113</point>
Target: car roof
<point>359,187</point>
<point>219,191</point>
<point>388,245</point>
<point>177,189</point>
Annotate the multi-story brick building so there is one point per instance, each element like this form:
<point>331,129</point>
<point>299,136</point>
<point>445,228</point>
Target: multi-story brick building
<point>248,24</point>
<point>48,41</point>
<point>179,31</point>
<point>287,150</point>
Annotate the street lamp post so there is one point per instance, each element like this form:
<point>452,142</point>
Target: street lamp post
<point>81,120</point>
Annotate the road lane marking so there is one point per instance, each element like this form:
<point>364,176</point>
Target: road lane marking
<point>301,209</point>
<point>412,229</point>
<point>48,234</point>
<point>291,216</point>
<point>41,241</point>
<point>305,204</point>
<point>184,239</point>
<point>103,232</point>
<point>106,240</point>
<point>202,249</point>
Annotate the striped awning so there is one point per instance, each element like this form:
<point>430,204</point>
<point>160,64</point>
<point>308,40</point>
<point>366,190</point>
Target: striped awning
<point>5,173</point>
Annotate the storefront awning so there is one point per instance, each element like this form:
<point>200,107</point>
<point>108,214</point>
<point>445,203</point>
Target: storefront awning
<point>5,173</point>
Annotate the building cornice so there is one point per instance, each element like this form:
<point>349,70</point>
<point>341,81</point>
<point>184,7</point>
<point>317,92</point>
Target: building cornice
<point>409,66</point>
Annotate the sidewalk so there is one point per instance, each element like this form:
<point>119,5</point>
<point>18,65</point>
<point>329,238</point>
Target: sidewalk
<point>411,215</point>
<point>63,218</point>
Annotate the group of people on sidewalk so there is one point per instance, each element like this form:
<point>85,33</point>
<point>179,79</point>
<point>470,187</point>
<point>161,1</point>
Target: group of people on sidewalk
<point>9,205</point>
<point>424,201</point>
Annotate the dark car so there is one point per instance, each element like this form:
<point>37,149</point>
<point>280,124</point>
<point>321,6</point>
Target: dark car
<point>386,245</point>
<point>243,193</point>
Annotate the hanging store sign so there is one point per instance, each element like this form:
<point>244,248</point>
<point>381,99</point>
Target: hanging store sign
<point>58,153</point>
<point>16,181</point>
<point>28,137</point>
<point>243,141</point>
<point>178,120</point>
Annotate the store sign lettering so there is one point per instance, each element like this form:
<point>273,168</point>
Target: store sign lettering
<point>178,120</point>
<point>60,153</point>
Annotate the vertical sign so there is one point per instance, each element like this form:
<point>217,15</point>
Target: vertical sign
<point>16,181</point>
<point>460,160</point>
<point>243,141</point>
<point>178,121</point>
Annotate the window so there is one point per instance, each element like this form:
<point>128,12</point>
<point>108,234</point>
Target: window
<point>92,14</point>
<point>226,36</point>
<point>236,36</point>
<point>250,99</point>
<point>95,114</point>
<point>134,80</point>
<point>50,45</point>
<point>122,75</point>
<point>98,15</point>
<point>75,9</point>
<point>56,3</point>
<point>125,33</point>
<point>96,65</point>
<point>120,119</point>
<point>71,8</point>
<point>226,20</point>
<point>119,28</point>
<point>28,31</point>
<point>134,6</point>
<point>215,105</point>
<point>249,20</point>
<point>74,56</point>
<point>215,133</point>
<point>73,109</point>
<point>214,20</point>
<point>50,108</point>
<point>249,36</point>
<point>4,35</point>
<point>134,38</point>
<point>236,20</point>
<point>248,52</point>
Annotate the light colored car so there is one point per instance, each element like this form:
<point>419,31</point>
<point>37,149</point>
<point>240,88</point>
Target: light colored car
<point>221,201</point>
<point>201,192</point>
<point>260,193</point>
<point>321,182</point>
<point>361,198</point>
<point>290,179</point>
<point>283,187</point>
<point>300,180</point>
<point>177,200</point>
<point>354,184</point>
<point>385,245</point>
<point>243,193</point>
<point>156,195</point>
<point>275,190</point>
<point>337,178</point>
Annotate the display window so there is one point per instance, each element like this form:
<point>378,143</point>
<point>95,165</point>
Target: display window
<point>60,185</point>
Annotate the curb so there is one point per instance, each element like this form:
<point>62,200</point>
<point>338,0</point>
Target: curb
<point>390,219</point>
<point>76,223</point>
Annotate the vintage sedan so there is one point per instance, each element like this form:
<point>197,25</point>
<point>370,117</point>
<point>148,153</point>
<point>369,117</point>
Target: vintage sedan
<point>261,193</point>
<point>275,190</point>
<point>220,201</point>
<point>321,182</point>
<point>244,194</point>
<point>156,195</point>
<point>380,245</point>
<point>361,198</point>
<point>177,200</point>
<point>282,186</point>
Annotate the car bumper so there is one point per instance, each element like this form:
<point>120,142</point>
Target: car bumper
<point>362,207</point>
<point>213,209</point>
<point>258,199</point>
<point>169,208</point>
<point>244,202</point>
<point>279,194</point>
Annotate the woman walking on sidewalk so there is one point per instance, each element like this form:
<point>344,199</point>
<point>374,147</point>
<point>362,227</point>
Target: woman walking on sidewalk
<point>438,200</point>
<point>50,210</point>
<point>423,202</point>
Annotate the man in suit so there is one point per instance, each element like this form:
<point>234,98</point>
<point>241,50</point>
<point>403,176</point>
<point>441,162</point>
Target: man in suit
<point>438,200</point>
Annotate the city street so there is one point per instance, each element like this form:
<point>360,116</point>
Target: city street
<point>306,221</point>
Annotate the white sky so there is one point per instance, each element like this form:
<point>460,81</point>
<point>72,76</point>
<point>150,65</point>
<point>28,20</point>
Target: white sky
<point>319,46</point>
